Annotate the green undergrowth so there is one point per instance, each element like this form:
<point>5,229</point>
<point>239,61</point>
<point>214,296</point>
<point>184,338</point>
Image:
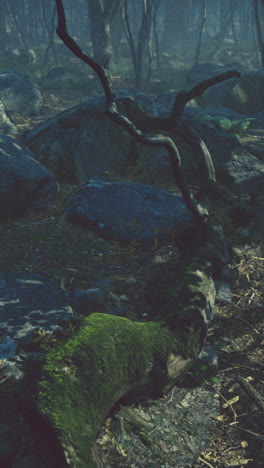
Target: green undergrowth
<point>237,128</point>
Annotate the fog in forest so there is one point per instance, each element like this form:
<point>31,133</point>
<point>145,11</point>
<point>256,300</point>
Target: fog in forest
<point>131,233</point>
<point>149,45</point>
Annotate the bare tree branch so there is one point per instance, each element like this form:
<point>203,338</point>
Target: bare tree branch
<point>112,112</point>
<point>185,96</point>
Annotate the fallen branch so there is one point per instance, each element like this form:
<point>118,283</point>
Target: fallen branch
<point>251,393</point>
<point>258,436</point>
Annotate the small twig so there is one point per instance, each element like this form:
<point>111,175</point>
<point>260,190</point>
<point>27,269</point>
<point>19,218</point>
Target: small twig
<point>258,363</point>
<point>227,402</point>
<point>251,298</point>
<point>153,430</point>
<point>238,302</point>
<point>171,397</point>
<point>236,366</point>
<point>258,436</point>
<point>249,324</point>
<point>251,392</point>
<point>231,448</point>
<point>205,462</point>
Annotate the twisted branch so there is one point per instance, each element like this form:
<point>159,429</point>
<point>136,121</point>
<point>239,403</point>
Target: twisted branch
<point>120,119</point>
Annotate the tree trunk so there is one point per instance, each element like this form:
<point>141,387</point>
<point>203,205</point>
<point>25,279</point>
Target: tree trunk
<point>3,34</point>
<point>174,24</point>
<point>199,43</point>
<point>260,40</point>
<point>100,33</point>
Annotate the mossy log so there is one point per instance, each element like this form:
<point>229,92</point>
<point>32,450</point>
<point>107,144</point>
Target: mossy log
<point>109,357</point>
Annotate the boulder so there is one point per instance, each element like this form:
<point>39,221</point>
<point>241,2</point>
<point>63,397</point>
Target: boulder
<point>128,211</point>
<point>244,95</point>
<point>14,57</point>
<point>33,312</point>
<point>219,94</point>
<point>236,168</point>
<point>247,96</point>
<point>5,123</point>
<point>82,142</point>
<point>259,122</point>
<point>19,92</point>
<point>63,78</point>
<point>204,71</point>
<point>212,111</point>
<point>165,103</point>
<point>24,183</point>
<point>30,302</point>
<point>158,165</point>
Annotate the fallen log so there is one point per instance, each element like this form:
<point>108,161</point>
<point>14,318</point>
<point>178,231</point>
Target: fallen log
<point>109,357</point>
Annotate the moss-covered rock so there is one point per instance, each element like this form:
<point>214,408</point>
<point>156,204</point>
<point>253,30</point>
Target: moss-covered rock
<point>109,357</point>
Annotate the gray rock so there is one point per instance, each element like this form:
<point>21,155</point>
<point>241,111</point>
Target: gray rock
<point>148,104</point>
<point>28,302</point>
<point>158,164</point>
<point>128,211</point>
<point>15,57</point>
<point>208,359</point>
<point>235,167</point>
<point>247,96</point>
<point>227,93</point>
<point>7,348</point>
<point>222,94</point>
<point>224,294</point>
<point>19,92</point>
<point>200,112</point>
<point>65,79</point>
<point>120,312</point>
<point>204,71</point>
<point>244,95</point>
<point>86,301</point>
<point>165,103</point>
<point>24,183</point>
<point>83,142</point>
<point>104,284</point>
<point>259,122</point>
<point>5,123</point>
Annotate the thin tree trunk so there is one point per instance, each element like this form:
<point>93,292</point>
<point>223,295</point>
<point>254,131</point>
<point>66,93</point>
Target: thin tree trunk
<point>260,39</point>
<point>199,43</point>
<point>3,33</point>
<point>155,35</point>
<point>50,32</point>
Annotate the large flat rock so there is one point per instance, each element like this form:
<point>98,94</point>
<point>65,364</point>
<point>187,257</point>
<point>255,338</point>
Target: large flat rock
<point>24,183</point>
<point>82,142</point>
<point>128,211</point>
<point>29,302</point>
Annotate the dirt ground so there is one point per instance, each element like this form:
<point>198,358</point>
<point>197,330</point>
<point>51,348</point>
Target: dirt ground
<point>71,257</point>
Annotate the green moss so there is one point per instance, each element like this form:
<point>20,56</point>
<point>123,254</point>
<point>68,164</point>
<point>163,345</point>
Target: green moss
<point>83,377</point>
<point>109,357</point>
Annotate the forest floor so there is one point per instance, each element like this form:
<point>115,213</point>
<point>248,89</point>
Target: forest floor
<point>46,244</point>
